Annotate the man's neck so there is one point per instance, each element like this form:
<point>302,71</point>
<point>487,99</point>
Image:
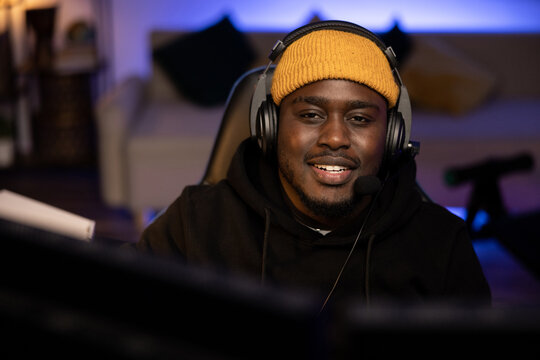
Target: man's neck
<point>322,224</point>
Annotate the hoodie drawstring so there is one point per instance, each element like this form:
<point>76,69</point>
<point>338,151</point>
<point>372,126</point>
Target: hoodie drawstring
<point>367,262</point>
<point>366,275</point>
<point>265,244</point>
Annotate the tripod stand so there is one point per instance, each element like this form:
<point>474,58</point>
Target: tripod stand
<point>519,233</point>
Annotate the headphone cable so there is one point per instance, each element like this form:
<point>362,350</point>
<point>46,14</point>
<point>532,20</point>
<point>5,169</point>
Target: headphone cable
<point>352,248</point>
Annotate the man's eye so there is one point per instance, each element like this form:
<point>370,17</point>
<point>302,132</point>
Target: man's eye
<point>360,119</point>
<point>310,115</point>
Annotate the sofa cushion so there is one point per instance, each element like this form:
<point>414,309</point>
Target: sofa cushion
<point>204,65</point>
<point>441,78</point>
<point>400,41</point>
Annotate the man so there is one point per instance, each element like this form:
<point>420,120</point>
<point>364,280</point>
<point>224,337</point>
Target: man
<point>292,216</point>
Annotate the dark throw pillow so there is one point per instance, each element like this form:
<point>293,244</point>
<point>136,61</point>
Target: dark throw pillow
<point>204,65</point>
<point>400,42</point>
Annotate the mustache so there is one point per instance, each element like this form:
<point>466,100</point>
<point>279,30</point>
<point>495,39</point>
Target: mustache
<point>330,153</point>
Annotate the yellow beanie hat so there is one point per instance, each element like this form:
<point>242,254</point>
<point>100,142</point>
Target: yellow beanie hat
<point>333,54</point>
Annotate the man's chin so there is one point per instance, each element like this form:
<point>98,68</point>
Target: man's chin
<point>327,209</point>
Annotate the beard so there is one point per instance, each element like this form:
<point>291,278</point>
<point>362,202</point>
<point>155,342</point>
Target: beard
<point>324,208</point>
<point>319,206</point>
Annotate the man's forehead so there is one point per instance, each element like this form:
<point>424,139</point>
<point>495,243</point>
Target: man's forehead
<point>349,93</point>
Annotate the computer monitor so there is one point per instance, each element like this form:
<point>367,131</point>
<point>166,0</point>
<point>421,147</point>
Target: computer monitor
<point>438,330</point>
<point>63,297</point>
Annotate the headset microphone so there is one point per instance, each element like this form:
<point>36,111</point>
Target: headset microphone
<point>367,185</point>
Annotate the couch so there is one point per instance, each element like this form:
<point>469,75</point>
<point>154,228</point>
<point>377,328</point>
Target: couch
<point>475,96</point>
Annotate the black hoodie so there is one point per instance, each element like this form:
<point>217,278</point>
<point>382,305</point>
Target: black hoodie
<point>409,250</point>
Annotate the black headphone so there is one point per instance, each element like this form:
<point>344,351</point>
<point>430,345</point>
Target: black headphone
<point>264,112</point>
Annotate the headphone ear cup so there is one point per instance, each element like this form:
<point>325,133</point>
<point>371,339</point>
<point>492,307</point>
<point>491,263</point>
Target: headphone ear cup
<point>266,129</point>
<point>395,137</point>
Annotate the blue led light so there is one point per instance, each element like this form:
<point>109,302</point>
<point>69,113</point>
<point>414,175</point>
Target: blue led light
<point>285,15</point>
<point>480,219</point>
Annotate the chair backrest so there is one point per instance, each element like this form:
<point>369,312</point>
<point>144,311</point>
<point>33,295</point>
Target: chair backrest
<point>234,127</point>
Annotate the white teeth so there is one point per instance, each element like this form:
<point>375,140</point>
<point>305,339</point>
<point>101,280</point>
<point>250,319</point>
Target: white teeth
<point>331,168</point>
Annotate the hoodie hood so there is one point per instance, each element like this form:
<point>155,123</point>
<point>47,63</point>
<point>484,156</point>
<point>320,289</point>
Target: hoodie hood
<point>256,181</point>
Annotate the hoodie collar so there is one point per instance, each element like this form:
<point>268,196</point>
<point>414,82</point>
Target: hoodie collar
<point>256,181</point>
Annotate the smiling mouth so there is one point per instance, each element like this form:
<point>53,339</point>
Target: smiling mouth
<point>331,168</point>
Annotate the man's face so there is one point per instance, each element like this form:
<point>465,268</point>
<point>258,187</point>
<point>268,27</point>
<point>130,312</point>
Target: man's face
<point>330,133</point>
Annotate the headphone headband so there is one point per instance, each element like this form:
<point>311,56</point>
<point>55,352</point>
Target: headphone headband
<point>338,25</point>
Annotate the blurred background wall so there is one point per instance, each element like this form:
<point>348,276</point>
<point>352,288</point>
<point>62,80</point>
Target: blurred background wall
<point>124,24</point>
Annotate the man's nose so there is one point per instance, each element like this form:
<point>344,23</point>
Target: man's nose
<point>334,133</point>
